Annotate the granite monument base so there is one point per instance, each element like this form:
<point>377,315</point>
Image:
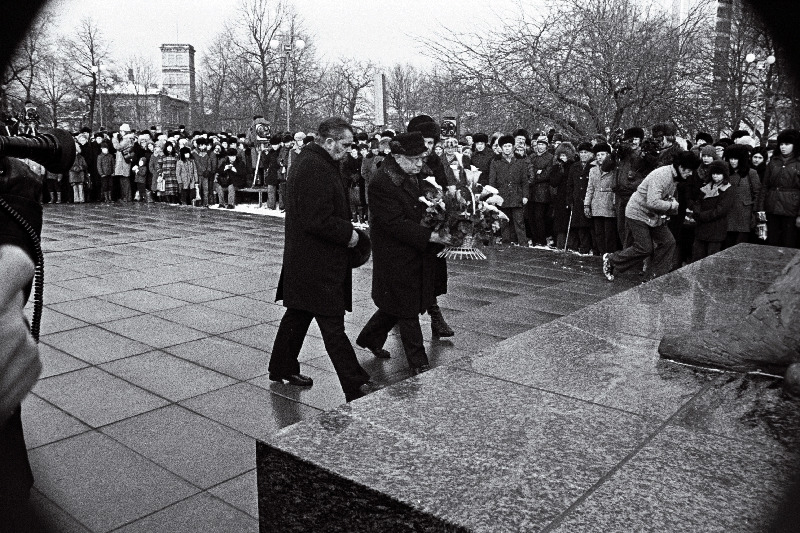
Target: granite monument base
<point>577,425</point>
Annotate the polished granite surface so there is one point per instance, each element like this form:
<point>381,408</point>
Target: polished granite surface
<point>574,425</point>
<point>156,333</point>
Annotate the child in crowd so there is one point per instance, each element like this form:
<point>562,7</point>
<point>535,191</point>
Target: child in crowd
<point>105,167</point>
<point>141,178</point>
<point>78,174</point>
<point>711,212</point>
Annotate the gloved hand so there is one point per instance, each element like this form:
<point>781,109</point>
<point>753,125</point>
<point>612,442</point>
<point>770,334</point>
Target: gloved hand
<point>587,211</point>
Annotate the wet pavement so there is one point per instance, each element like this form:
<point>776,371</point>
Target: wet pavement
<point>156,333</point>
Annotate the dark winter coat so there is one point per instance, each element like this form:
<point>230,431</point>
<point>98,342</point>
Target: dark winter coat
<point>403,260</point>
<point>78,173</point>
<point>316,275</point>
<point>627,176</point>
<point>436,166</point>
<point>105,164</point>
<point>459,177</point>
<point>440,277</point>
<point>745,187</point>
<point>206,165</point>
<point>781,187</point>
<point>235,175</point>
<point>711,212</point>
<point>539,176</point>
<point>510,180</point>
<point>482,161</point>
<point>577,183</point>
<point>559,178</point>
<point>273,167</point>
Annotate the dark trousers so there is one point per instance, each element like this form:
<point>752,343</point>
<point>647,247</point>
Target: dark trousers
<point>140,187</point>
<point>736,237</point>
<point>605,230</point>
<point>657,242</point>
<point>378,327</point>
<point>16,478</point>
<point>289,342</point>
<point>539,221</point>
<point>701,249</point>
<point>621,202</point>
<point>580,239</point>
<point>781,231</point>
<point>515,229</point>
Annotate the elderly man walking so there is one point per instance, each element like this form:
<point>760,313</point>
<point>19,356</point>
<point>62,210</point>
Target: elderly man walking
<point>403,258</point>
<point>316,280</point>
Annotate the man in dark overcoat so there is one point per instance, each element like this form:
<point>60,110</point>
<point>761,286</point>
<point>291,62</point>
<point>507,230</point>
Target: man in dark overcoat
<point>316,280</point>
<point>403,256</point>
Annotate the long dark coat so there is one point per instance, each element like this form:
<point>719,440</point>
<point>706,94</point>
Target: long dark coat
<point>403,259</point>
<point>316,274</point>
<point>559,177</point>
<point>577,182</point>
<point>434,167</point>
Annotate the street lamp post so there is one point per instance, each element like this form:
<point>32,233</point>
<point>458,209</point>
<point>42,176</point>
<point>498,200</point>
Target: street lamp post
<point>97,72</point>
<point>286,47</point>
<point>763,65</point>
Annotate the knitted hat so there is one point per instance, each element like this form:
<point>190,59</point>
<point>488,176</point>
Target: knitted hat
<point>708,150</point>
<point>410,144</point>
<point>542,139</point>
<point>505,139</point>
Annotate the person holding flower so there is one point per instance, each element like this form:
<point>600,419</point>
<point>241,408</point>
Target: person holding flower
<point>403,256</point>
<point>509,175</point>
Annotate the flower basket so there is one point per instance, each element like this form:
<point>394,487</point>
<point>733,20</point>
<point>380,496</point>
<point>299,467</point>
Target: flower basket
<point>467,215</point>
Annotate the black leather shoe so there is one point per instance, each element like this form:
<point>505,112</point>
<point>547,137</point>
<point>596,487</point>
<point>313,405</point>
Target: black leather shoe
<point>362,391</point>
<point>417,370</point>
<point>293,379</point>
<point>380,353</point>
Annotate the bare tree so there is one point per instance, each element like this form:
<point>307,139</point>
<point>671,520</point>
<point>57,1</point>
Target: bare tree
<point>143,79</point>
<point>87,48</point>
<point>584,65</point>
<point>34,49</point>
<point>403,92</point>
<point>52,83</point>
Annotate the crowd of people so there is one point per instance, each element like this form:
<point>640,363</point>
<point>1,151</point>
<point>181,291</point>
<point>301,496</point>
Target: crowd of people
<point>559,193</point>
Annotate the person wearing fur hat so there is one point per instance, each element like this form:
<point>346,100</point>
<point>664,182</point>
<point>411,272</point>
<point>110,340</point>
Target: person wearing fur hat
<point>482,156</point>
<point>758,161</point>
<point>598,204</point>
<point>229,177</point>
<point>628,175</point>
<point>711,212</point>
<point>186,172</point>
<point>580,235</point>
<point>746,187</point>
<point>633,135</point>
<point>563,159</point>
<point>434,166</point>
<point>402,251</point>
<point>509,175</point>
<point>522,142</point>
<point>540,224</point>
<point>780,200</point>
<point>702,138</point>
<point>272,173</point>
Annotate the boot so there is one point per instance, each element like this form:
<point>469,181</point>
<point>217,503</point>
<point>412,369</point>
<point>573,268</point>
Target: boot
<point>58,197</point>
<point>439,327</point>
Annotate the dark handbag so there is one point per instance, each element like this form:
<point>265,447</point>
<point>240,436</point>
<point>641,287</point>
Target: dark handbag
<point>359,254</point>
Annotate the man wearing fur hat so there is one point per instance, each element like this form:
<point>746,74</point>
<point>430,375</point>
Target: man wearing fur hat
<point>540,162</point>
<point>433,166</point>
<point>509,175</point>
<point>627,176</point>
<point>482,156</point>
<point>780,200</point>
<point>403,256</point>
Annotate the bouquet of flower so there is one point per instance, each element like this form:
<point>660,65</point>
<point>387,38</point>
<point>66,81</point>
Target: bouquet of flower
<point>468,214</point>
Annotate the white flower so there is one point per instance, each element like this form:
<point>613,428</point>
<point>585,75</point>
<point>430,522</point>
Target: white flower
<point>432,181</point>
<point>489,207</point>
<point>490,189</point>
<point>495,200</point>
<point>425,201</point>
<point>502,216</point>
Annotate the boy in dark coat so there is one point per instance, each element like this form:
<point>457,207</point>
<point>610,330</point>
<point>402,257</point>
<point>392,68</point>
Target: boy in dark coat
<point>580,235</point>
<point>711,212</point>
<point>403,258</point>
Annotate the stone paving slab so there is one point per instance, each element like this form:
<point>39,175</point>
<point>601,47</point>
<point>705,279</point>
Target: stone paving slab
<point>156,339</point>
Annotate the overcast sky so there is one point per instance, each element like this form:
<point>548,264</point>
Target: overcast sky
<point>380,30</point>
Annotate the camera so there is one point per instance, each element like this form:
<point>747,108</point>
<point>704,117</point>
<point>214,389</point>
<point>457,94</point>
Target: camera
<point>260,132</point>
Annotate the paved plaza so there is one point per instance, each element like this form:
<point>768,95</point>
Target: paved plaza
<point>155,340</point>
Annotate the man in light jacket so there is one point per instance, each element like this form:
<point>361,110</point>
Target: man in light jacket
<point>646,217</point>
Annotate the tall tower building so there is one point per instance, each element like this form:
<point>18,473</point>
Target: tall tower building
<point>177,67</point>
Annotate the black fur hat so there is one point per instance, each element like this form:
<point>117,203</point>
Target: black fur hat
<point>703,136</point>
<point>633,133</point>
<point>362,136</point>
<point>427,129</point>
<point>788,136</point>
<point>740,152</point>
<point>419,119</point>
<point>480,138</point>
<point>409,144</point>
<point>719,167</point>
<point>287,138</point>
<point>523,133</point>
<point>663,130</point>
<point>739,133</point>
<point>505,139</point>
<point>185,150</point>
<point>601,147</point>
<point>585,146</point>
